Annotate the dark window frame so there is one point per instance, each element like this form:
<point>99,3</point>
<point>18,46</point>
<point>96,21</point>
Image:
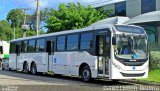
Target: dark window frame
<point>44,49</point>
<point>65,43</point>
<point>22,51</point>
<point>1,49</point>
<point>144,7</point>
<point>92,40</point>
<point>12,44</point>
<point>28,48</point>
<point>78,36</point>
<point>116,4</point>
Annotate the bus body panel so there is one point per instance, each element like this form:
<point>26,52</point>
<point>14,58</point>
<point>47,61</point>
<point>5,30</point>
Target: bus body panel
<point>12,61</point>
<point>119,69</point>
<point>41,60</point>
<point>85,57</point>
<point>68,63</point>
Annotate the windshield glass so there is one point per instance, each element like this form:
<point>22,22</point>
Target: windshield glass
<point>131,47</point>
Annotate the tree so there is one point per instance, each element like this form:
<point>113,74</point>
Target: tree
<point>5,31</point>
<point>15,17</point>
<point>31,19</point>
<point>73,16</point>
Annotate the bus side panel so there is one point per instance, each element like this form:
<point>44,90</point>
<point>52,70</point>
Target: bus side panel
<point>41,60</point>
<point>85,57</point>
<point>12,61</point>
<point>65,63</point>
<point>68,63</point>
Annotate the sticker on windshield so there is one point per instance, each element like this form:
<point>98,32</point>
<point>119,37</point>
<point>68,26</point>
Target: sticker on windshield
<point>135,56</point>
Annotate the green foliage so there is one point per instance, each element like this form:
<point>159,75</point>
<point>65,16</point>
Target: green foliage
<point>153,76</point>
<point>154,47</point>
<point>15,17</point>
<point>73,16</point>
<point>6,32</point>
<point>19,33</point>
<point>155,60</point>
<point>30,33</point>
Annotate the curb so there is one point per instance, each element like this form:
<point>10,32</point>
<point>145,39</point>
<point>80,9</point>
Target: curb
<point>143,82</point>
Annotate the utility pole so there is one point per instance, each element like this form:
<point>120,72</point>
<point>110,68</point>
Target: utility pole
<point>14,32</point>
<point>25,27</point>
<point>25,9</point>
<point>37,17</point>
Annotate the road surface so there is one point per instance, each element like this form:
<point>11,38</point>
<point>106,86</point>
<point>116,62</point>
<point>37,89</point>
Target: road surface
<point>18,81</point>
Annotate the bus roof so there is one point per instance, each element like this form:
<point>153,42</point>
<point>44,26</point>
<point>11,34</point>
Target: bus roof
<point>55,33</point>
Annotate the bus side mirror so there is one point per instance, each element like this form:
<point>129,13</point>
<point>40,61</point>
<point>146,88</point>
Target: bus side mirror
<point>113,40</point>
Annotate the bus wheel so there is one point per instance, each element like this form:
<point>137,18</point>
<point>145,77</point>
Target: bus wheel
<point>33,69</point>
<point>86,74</point>
<point>25,68</point>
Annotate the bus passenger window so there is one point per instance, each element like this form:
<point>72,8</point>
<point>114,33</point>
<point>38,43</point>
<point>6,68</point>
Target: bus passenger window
<point>40,45</point>
<point>72,42</point>
<point>61,43</point>
<point>86,41</point>
<point>12,48</point>
<point>24,46</point>
<point>31,46</point>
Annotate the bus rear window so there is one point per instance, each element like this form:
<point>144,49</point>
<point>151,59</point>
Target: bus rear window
<point>12,48</point>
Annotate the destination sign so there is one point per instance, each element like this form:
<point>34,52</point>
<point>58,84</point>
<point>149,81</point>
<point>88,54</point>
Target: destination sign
<point>130,29</point>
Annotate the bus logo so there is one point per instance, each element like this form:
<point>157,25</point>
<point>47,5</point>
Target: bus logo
<point>134,68</point>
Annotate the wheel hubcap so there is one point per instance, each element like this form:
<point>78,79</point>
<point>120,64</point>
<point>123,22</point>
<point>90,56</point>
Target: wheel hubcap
<point>86,74</point>
<point>33,70</point>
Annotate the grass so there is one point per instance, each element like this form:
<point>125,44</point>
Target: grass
<point>154,76</point>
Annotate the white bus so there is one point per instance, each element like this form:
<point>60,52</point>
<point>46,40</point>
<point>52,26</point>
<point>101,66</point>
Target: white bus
<point>110,51</point>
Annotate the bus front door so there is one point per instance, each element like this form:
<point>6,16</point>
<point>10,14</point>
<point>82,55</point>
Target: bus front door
<point>103,51</point>
<point>17,66</point>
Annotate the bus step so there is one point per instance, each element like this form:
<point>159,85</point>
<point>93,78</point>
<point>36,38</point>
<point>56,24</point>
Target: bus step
<point>50,73</point>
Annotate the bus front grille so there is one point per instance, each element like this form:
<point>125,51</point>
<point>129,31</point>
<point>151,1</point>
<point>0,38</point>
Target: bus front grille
<point>132,75</point>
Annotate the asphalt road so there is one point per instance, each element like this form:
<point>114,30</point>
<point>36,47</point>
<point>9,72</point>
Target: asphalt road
<point>18,81</point>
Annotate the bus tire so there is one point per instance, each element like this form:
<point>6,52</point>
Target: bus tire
<point>86,73</point>
<point>33,69</point>
<point>25,68</point>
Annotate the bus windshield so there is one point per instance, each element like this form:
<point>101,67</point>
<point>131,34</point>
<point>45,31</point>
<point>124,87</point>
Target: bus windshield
<point>131,47</point>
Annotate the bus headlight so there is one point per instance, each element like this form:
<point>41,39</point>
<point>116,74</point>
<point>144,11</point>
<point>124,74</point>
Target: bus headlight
<point>117,66</point>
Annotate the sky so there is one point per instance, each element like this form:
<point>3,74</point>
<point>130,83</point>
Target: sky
<point>7,5</point>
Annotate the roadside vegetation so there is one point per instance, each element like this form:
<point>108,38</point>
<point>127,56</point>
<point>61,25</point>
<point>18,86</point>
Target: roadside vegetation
<point>154,65</point>
<point>154,76</point>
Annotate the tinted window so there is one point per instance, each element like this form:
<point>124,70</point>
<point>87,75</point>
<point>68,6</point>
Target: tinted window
<point>24,46</point>
<point>61,43</point>
<point>12,48</point>
<point>1,50</point>
<point>120,9</point>
<point>31,46</point>
<point>86,41</point>
<point>72,42</point>
<point>40,46</point>
<point>148,6</point>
